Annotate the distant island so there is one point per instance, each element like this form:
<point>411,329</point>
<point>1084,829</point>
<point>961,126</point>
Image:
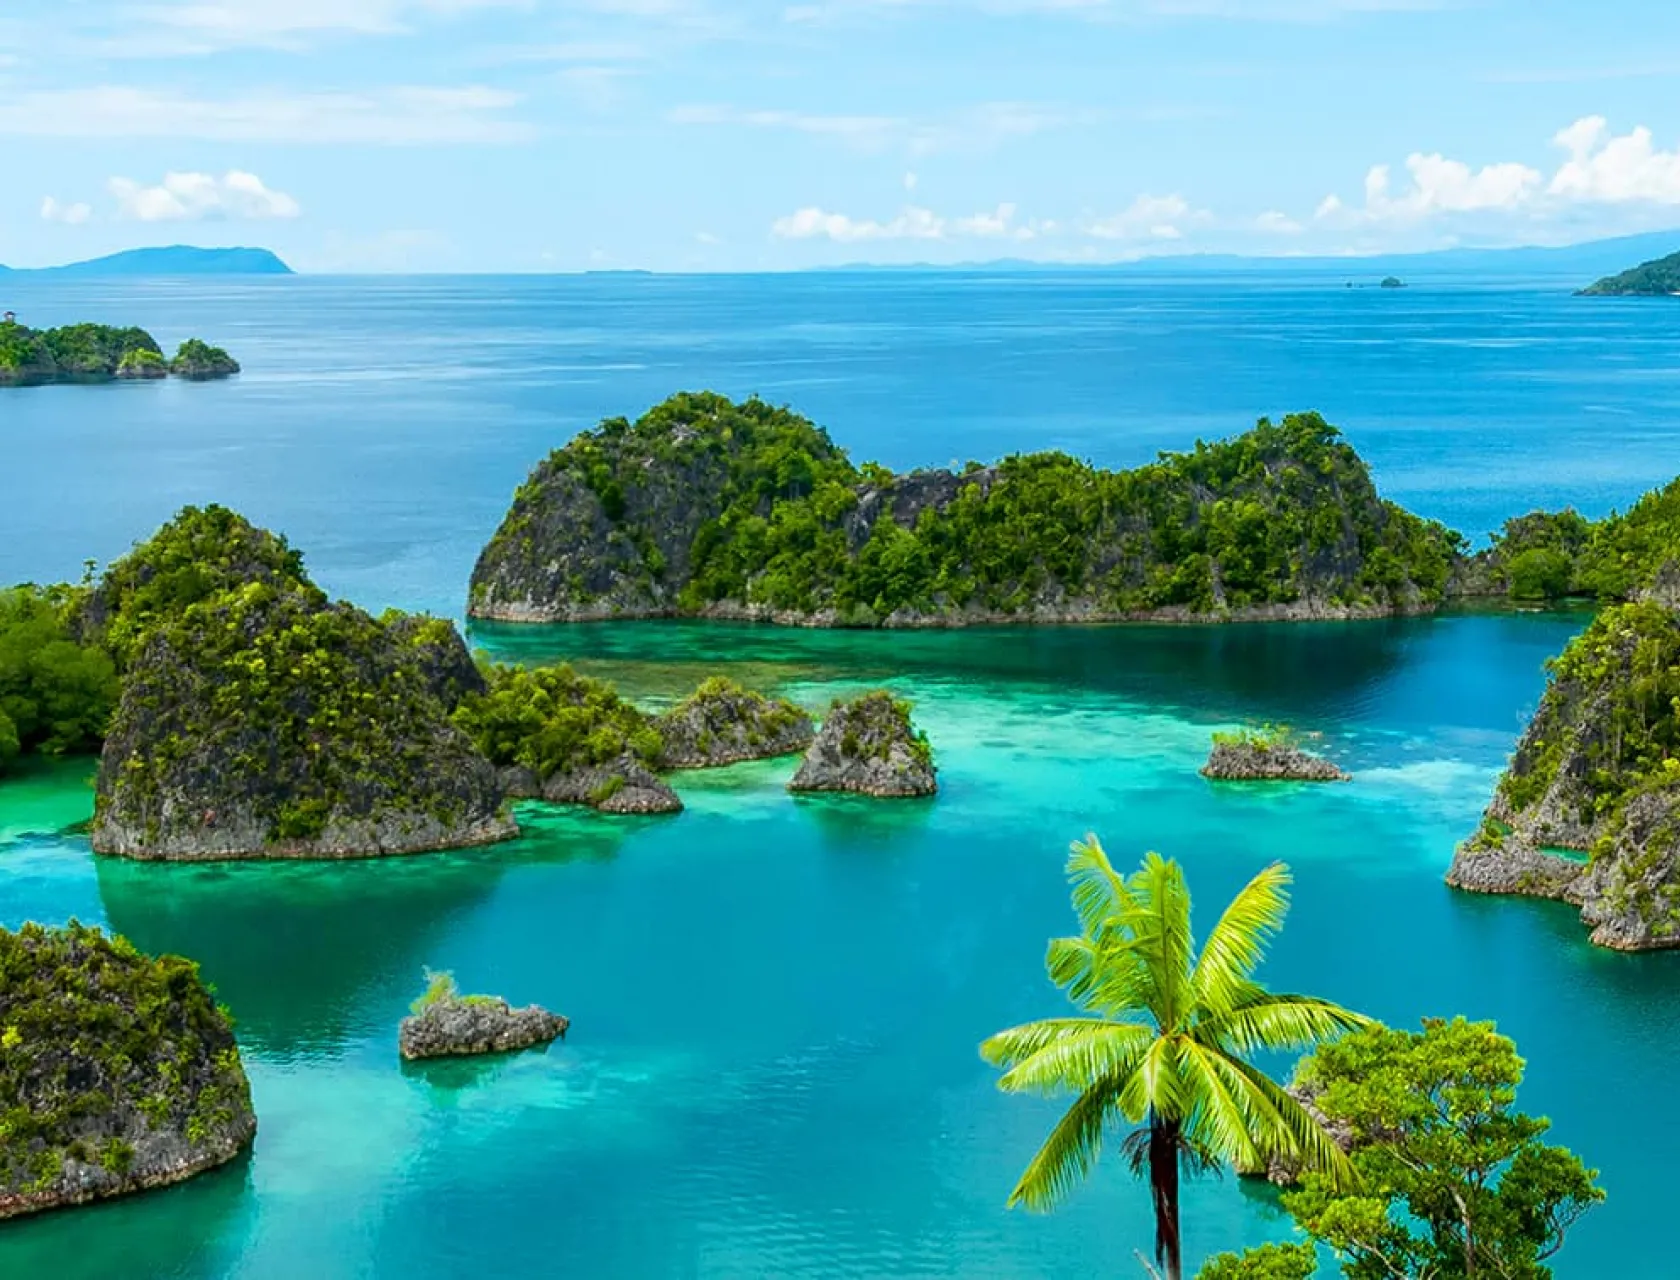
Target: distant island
<point>1657,278</point>
<point>100,353</point>
<point>1393,282</point>
<point>174,260</point>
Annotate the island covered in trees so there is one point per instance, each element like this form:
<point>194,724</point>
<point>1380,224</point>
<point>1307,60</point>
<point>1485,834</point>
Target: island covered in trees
<point>101,353</point>
<point>1658,278</point>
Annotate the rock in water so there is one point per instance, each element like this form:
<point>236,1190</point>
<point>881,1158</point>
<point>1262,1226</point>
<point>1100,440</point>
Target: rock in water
<point>869,747</point>
<point>1594,773</point>
<point>456,1026</point>
<point>1257,760</point>
<point>198,361</point>
<point>621,785</point>
<point>723,723</point>
<point>117,1071</point>
<point>267,723</point>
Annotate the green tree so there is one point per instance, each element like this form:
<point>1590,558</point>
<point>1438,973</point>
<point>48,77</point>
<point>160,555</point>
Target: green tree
<point>1164,1044</point>
<point>1265,1262</point>
<point>1454,1182</point>
<point>1540,573</point>
<point>57,694</point>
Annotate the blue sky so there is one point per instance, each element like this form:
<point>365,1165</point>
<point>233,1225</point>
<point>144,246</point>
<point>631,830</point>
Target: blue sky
<point>532,135</point>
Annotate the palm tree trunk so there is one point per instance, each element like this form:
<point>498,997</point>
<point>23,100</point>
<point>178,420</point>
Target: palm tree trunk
<point>1163,1181</point>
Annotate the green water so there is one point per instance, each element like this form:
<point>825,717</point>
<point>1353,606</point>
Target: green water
<point>776,1002</point>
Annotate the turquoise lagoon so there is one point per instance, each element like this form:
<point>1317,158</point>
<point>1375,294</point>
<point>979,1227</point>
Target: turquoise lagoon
<point>776,1002</point>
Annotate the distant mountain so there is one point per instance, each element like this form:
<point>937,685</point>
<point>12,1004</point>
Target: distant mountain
<point>1594,257</point>
<point>176,260</point>
<point>1658,278</point>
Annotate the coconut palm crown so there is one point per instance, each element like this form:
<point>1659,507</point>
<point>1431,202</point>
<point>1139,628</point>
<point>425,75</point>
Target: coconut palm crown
<point>1162,1048</point>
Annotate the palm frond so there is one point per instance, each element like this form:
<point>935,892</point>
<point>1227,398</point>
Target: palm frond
<point>1011,1046</point>
<point>1226,1117</point>
<point>1068,1153</point>
<point>1159,926</point>
<point>1100,896</point>
<point>1156,1084</point>
<point>1069,1062</point>
<point>1233,950</point>
<point>1262,1020</point>
<point>1308,1146</point>
<point>1109,978</point>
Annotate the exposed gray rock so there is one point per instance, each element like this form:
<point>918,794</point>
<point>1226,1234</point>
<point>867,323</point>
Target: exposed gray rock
<point>869,747</point>
<point>1281,1171</point>
<point>1262,762</point>
<point>1514,866</point>
<point>624,785</point>
<point>722,723</point>
<point>457,1026</point>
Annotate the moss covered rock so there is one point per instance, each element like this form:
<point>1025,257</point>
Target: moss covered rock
<point>568,739</point>
<point>1263,757</point>
<point>1596,771</point>
<point>869,747</point>
<point>709,508</point>
<point>267,722</point>
<point>446,1024</point>
<point>198,361</point>
<point>117,1071</point>
<point>723,722</point>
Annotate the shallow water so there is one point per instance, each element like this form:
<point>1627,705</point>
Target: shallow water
<point>776,1002</point>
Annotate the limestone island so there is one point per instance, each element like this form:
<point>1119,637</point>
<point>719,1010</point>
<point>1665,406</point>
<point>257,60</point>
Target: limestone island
<point>447,1024</point>
<point>257,719</point>
<point>100,353</point>
<point>722,723</point>
<point>869,747</point>
<point>554,735</point>
<point>1267,754</point>
<point>1659,278</point>
<point>1598,773</point>
<point>118,1072</point>
<point>707,508</point>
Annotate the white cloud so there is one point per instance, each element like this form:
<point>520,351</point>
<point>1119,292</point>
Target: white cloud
<point>1276,223</point>
<point>74,214</point>
<point>393,117</point>
<point>190,197</point>
<point>910,181</point>
<point>1148,217</point>
<point>1605,169</point>
<point>707,238</point>
<point>203,26</point>
<point>977,127</point>
<point>911,223</point>
<point>1600,168</point>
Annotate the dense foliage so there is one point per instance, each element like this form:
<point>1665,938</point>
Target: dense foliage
<point>1661,276</point>
<point>56,695</point>
<point>98,1042</point>
<point>99,353</point>
<point>702,502</point>
<point>1549,555</point>
<point>1265,1262</point>
<point>202,551</point>
<point>1454,1181</point>
<point>552,720</point>
<point>271,703</point>
<point>1164,1041</point>
<point>723,722</point>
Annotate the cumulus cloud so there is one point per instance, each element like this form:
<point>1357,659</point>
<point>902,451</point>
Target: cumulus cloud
<point>190,197</point>
<point>1275,223</point>
<point>1600,168</point>
<point>910,223</point>
<point>54,210</point>
<point>1149,217</point>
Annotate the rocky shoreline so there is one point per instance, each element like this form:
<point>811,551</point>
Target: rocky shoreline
<point>1247,761</point>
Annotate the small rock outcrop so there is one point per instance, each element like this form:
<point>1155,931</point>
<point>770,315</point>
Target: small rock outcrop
<point>1594,773</point>
<point>117,1071</point>
<point>446,1024</point>
<point>1250,757</point>
<point>568,739</point>
<point>198,361</point>
<point>723,723</point>
<point>869,747</point>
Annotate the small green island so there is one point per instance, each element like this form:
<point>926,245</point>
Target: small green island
<point>92,353</point>
<point>118,1072</point>
<point>1659,278</point>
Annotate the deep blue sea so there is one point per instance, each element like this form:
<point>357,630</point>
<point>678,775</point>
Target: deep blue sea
<point>776,1003</point>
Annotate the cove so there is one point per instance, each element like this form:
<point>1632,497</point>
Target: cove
<point>776,1001</point>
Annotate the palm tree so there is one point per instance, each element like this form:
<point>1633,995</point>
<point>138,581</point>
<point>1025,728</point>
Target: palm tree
<point>1165,1042</point>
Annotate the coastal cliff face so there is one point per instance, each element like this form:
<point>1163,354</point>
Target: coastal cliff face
<point>1598,772</point>
<point>117,1072</point>
<point>269,723</point>
<point>722,723</point>
<point>707,508</point>
<point>869,747</point>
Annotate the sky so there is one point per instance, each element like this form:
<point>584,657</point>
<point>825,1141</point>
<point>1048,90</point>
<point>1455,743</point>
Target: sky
<point>721,135</point>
